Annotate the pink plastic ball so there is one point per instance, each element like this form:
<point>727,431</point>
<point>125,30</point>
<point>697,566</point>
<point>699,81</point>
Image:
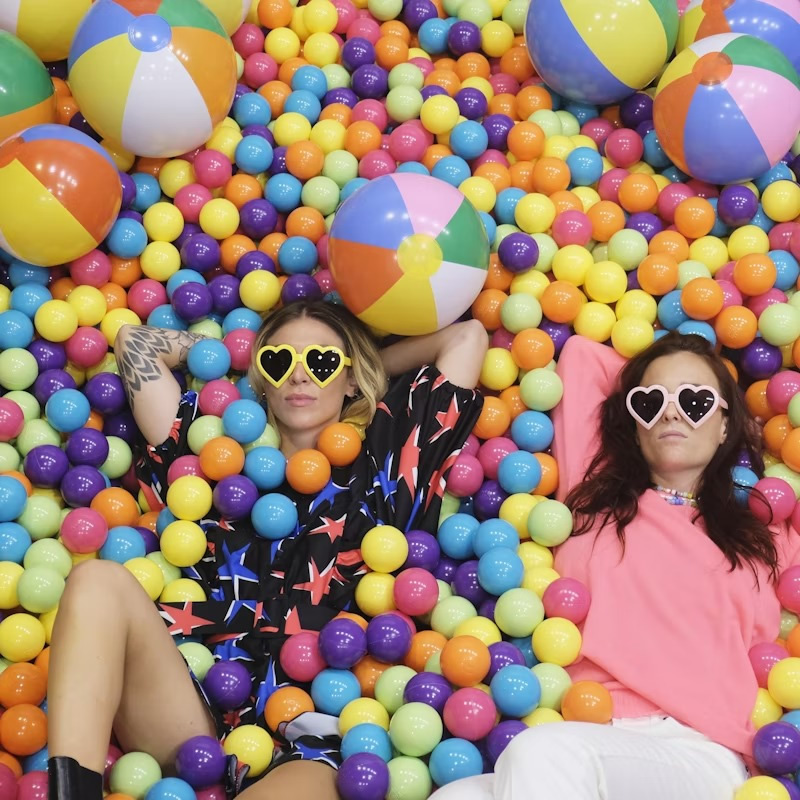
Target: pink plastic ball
<point>503,83</point>
<point>93,269</point>
<point>300,657</point>
<point>347,13</point>
<point>466,476</point>
<point>669,198</point>
<point>492,452</point>
<point>731,296</point>
<point>469,714</point>
<point>568,598</point>
<point>84,530</point>
<point>703,189</point>
<point>572,227</point>
<point>190,155</point>
<point>365,27</point>
<point>212,168</point>
<point>412,626</point>
<point>86,347</point>
<point>758,303</point>
<point>781,388</point>
<point>597,129</point>
<point>211,793</point>
<point>145,295</point>
<point>324,279</point>
<point>8,784</point>
<point>11,420</point>
<point>376,163</point>
<point>32,786</point>
<point>725,272</point>
<point>407,143</point>
<point>624,148</point>
<point>489,157</point>
<point>372,111</point>
<point>502,338</point>
<point>248,39</point>
<point>472,445</point>
<point>259,68</point>
<point>780,235</point>
<point>796,517</point>
<point>788,589</point>
<point>216,396</point>
<point>780,499</point>
<point>416,591</point>
<point>189,200</point>
<point>385,142</point>
<point>424,64</point>
<point>794,243</point>
<point>609,183</point>
<point>239,344</point>
<point>184,465</point>
<point>763,657</point>
<point>322,253</point>
<point>114,754</point>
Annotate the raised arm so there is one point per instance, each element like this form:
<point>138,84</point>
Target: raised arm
<point>457,351</point>
<point>145,357</point>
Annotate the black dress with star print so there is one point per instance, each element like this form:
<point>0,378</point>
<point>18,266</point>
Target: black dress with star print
<point>260,591</point>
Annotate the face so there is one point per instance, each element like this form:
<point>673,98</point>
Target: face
<point>672,448</point>
<point>299,404</point>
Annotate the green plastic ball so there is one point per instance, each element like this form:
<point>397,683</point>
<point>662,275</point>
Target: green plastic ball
<point>390,686</point>
<point>554,681</point>
<point>41,517</point>
<point>35,433</point>
<point>450,613</point>
<point>18,368</point>
<point>415,729</point>
<point>549,523</point>
<point>202,431</point>
<point>409,779</point>
<point>119,458</point>
<point>451,7</point>
<point>520,311</point>
<point>548,121</point>
<point>135,774</point>
<point>541,389</point>
<point>514,14</point>
<point>477,11</point>
<point>320,193</point>
<point>198,657</point>
<point>336,76</point>
<point>27,402</point>
<point>794,411</point>
<point>569,123</point>
<point>503,230</point>
<point>450,503</point>
<point>518,612</point>
<point>269,438</point>
<point>785,473</point>
<point>9,458</point>
<point>627,248</point>
<point>385,10</point>
<point>49,553</point>
<point>779,324</point>
<point>169,571</point>
<point>689,270</point>
<point>40,589</point>
<point>433,663</point>
<point>404,103</point>
<point>340,166</point>
<point>407,75</point>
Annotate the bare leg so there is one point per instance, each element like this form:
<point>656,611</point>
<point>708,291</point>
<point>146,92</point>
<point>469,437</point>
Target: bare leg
<point>300,780</point>
<point>113,664</point>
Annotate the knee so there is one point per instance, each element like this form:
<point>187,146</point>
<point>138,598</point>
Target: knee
<point>548,744</point>
<point>95,580</point>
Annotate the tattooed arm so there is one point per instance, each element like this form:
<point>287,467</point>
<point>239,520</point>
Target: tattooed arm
<point>145,357</point>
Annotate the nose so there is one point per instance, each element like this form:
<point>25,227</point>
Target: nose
<point>299,374</point>
<point>671,413</point>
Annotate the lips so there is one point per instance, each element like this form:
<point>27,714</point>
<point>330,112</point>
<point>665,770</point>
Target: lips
<point>299,400</point>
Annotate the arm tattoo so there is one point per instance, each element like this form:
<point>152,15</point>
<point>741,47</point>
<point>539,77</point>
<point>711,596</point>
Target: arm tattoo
<point>143,349</point>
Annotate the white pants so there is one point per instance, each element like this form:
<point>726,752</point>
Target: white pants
<point>656,758</point>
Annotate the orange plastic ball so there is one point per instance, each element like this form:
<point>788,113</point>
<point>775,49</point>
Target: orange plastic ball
<point>289,67</point>
<point>486,308</point>
<point>367,672</point>
<point>526,141</point>
<point>242,188</point>
<point>522,175</point>
<point>434,154</point>
<point>533,98</point>
<point>43,662</point>
<point>550,175</point>
<point>465,661</point>
<point>233,248</point>
<point>495,173</point>
<point>607,218</point>
<point>23,730</point>
<point>391,50</point>
<point>736,326</point>
<point>23,479</point>
<point>285,704</point>
<point>306,221</point>
<point>638,192</point>
<point>340,444</point>
<point>152,166</point>
<point>561,301</point>
<point>124,271</point>
<point>357,618</point>
<point>116,507</point>
<point>517,63</point>
<point>587,701</point>
<point>423,645</point>
<point>221,457</point>
<point>393,27</point>
<point>148,520</point>
<point>275,13</point>
<point>796,353</point>
<point>66,108</point>
<point>362,137</point>
<point>271,244</point>
<point>446,78</point>
<point>702,298</point>
<point>754,274</point>
<point>22,683</point>
<point>497,276</point>
<point>694,217</point>
<point>60,87</point>
<point>512,397</point>
<point>275,93</point>
<point>793,642</point>
<point>115,296</point>
<point>7,760</point>
<point>493,420</point>
<point>774,433</point>
<point>308,471</point>
<point>338,112</point>
<point>473,65</point>
<point>755,398</point>
<point>670,242</point>
<point>305,159</point>
<point>504,104</point>
<point>95,420</point>
<point>790,450</point>
<point>532,348</point>
<point>564,200</point>
<point>549,481</point>
<point>60,289</point>
<point>658,273</point>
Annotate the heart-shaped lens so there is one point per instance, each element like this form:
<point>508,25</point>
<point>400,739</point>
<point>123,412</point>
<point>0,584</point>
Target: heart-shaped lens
<point>276,364</point>
<point>324,365</point>
<point>696,404</point>
<point>647,405</point>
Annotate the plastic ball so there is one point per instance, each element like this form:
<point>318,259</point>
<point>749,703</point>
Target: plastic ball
<point>134,774</point>
<point>252,746</point>
<point>363,776</point>
<point>200,761</point>
<point>415,729</point>
<point>384,548</point>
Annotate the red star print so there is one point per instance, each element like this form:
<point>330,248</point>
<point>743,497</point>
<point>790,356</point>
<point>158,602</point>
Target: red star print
<point>409,461</point>
<point>317,583</point>
<point>446,419</point>
<point>334,528</point>
<point>383,407</point>
<point>438,480</point>
<point>420,380</point>
<point>232,718</point>
<point>182,619</point>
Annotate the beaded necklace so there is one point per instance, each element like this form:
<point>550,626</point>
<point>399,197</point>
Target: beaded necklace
<point>675,497</point>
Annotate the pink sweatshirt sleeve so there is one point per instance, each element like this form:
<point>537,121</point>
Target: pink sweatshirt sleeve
<point>588,371</point>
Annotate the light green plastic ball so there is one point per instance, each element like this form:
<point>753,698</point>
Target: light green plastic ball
<point>409,779</point>
<point>49,553</point>
<point>549,523</point>
<point>600,252</point>
<point>541,389</point>
<point>336,76</point>
<point>433,663</point>
<point>41,517</point>
<point>269,438</point>
<point>788,622</point>
<point>779,324</point>
<point>785,473</point>
<point>208,328</point>
<point>119,458</point>
<point>554,681</point>
<point>450,503</point>
<point>135,774</point>
<point>503,230</point>
<point>407,75</point>
<point>518,612</point>
<point>202,431</point>
<point>40,589</point>
<point>547,251</point>
<point>198,657</point>
<point>477,11</point>
<point>520,311</point>
<point>514,14</point>
<point>415,729</point>
<point>27,402</point>
<point>321,193</point>
<point>627,248</point>
<point>18,368</point>
<point>794,411</point>
<point>450,613</point>
<point>451,7</point>
<point>35,433</point>
<point>169,571</point>
<point>340,166</point>
<point>390,686</point>
<point>569,123</point>
<point>9,458</point>
<point>548,121</point>
<point>689,270</point>
<point>404,103</point>
<point>385,10</point>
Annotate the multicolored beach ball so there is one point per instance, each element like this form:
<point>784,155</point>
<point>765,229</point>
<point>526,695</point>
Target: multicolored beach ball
<point>59,195</point>
<point>231,13</point>
<point>26,91</point>
<point>774,21</point>
<point>727,108</point>
<point>155,76</point>
<point>46,26</point>
<point>600,52</point>
<point>409,253</point>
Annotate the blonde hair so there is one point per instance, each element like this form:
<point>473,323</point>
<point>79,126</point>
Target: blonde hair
<point>359,346</point>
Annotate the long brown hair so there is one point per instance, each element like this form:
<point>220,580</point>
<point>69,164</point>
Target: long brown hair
<point>618,474</point>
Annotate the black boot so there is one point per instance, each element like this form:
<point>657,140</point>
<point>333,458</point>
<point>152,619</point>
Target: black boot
<point>68,780</point>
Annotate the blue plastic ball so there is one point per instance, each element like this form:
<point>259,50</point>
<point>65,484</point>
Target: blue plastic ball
<point>127,238</point>
<point>785,263</point>
<point>698,328</point>
<point>297,254</point>
<point>532,431</point>
<point>123,544</point>
<point>670,311</point>
<point>16,329</point>
<point>274,516</point>
<point>499,570</point>
<point>311,79</point>
<point>506,205</point>
<point>251,109</point>
<point>525,645</point>
<point>432,36</point>
<point>164,316</point>
<point>454,759</point>
<point>333,689</point>
<point>67,410</point>
<point>301,101</point>
<point>266,467</point>
<point>451,169</point>
<point>244,420</point>
<point>14,542</point>
<point>515,690</point>
<point>148,191</point>
<point>170,789</point>
<point>13,498</point>
<point>208,360</point>
<point>241,318</point>
<point>585,166</point>
<point>283,191</point>
<point>456,535</point>
<point>28,297</point>
<point>20,272</point>
<point>367,738</point>
<point>182,276</point>
<point>519,472</point>
<point>469,139</point>
<point>494,533</point>
<point>253,155</point>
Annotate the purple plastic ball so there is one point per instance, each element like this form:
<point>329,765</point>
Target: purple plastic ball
<point>465,583</point>
<point>415,12</point>
<point>342,95</point>
<point>502,654</point>
<point>388,638</point>
<point>500,737</point>
<point>46,465</point>
<point>646,223</point>
<point>192,301</point>
<point>633,280</point>
<point>760,359</point>
<point>736,205</point>
<point>278,165</point>
<point>472,103</point>
<point>342,643</point>
<point>643,128</point>
<point>49,382</point>
<point>105,393</point>
<point>363,776</point>
<point>258,218</point>
<point>488,499</point>
<point>357,52</point>
<point>200,252</point>
<point>128,189</point>
<point>488,607</point>
<point>446,569</point>
<point>498,127</point>
<point>432,91</point>
<point>201,761</point>
<point>423,550</point>
<point>87,446</point>
<point>300,287</point>
<point>235,496</point>
<point>254,260</point>
<point>48,355</point>
<point>80,484</point>
<point>151,543</point>
<point>259,130</point>
<point>228,685</point>
<point>464,37</point>
<point>370,82</point>
<point>776,748</point>
<point>635,109</point>
<point>429,688</point>
<point>189,229</point>
<point>121,425</point>
<point>790,786</point>
<point>559,332</point>
<point>240,91</point>
<point>130,213</point>
<point>224,293</point>
<point>518,252</point>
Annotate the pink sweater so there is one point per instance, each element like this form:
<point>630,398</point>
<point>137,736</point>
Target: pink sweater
<point>669,626</point>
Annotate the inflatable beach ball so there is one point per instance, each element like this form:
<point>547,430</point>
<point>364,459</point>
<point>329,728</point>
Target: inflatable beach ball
<point>26,91</point>
<point>231,13</point>
<point>154,76</point>
<point>774,21</point>
<point>59,195</point>
<point>600,51</point>
<point>727,108</point>
<point>46,26</point>
<point>409,253</point>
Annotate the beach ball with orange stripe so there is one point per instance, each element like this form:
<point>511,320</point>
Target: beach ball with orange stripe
<point>727,108</point>
<point>60,194</point>
<point>46,26</point>
<point>154,76</point>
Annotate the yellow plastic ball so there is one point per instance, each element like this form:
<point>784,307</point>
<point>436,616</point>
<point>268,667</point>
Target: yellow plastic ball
<point>480,192</point>
<point>22,637</point>
<point>765,709</point>
<point>10,573</point>
<point>321,49</point>
<point>557,641</point>
<point>541,716</point>
<point>606,282</point>
<point>481,84</point>
<point>174,175</point>
<point>587,196</point>
<point>56,320</point>
<point>481,628</point>
<point>328,135</point>
<point>496,38</point>
<point>114,320</point>
<point>762,787</point>
<point>537,579</point>
<point>709,250</point>
<point>595,321</point>
<point>225,138</point>
<point>260,290</point>
<point>48,619</point>
<point>282,44</point>
<point>375,593</point>
<point>781,201</point>
<point>149,576</point>
<point>183,590</point>
<point>189,498</point>
<point>784,682</point>
<point>321,16</point>
<point>535,213</point>
<point>161,260</point>
<point>534,554</point>
<point>163,222</point>
<point>218,218</point>
<point>291,127</point>
<point>122,158</point>
<point>532,282</point>
<point>499,370</point>
<point>89,304</point>
<point>637,303</point>
<point>571,263</point>
<point>558,146</point>
<point>183,543</point>
<point>439,114</point>
<point>745,240</point>
<point>515,510</point>
<point>384,548</point>
<point>252,746</point>
<point>631,335</point>
<point>361,711</point>
<point>5,298</point>
<point>581,140</point>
